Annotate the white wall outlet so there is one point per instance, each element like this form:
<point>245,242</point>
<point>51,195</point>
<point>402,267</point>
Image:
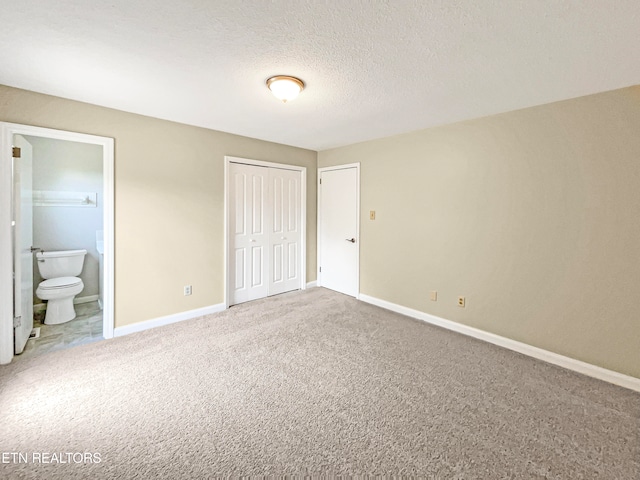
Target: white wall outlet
<point>433,295</point>
<point>461,302</point>
<point>187,290</point>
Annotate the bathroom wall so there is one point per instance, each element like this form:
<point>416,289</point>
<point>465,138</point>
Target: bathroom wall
<point>63,166</point>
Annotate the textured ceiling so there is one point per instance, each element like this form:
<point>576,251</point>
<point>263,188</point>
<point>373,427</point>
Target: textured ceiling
<point>372,68</point>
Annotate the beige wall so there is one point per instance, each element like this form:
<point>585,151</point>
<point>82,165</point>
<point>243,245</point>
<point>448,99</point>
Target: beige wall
<point>169,199</point>
<point>532,215</point>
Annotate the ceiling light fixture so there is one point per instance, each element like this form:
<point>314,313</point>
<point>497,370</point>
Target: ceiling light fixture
<point>284,87</point>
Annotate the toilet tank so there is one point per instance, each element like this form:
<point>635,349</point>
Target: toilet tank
<point>66,263</point>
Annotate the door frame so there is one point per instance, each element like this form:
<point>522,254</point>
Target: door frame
<point>303,218</point>
<point>7,130</point>
<point>319,227</point>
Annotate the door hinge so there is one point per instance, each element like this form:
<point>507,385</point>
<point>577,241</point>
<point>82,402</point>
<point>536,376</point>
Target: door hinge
<point>320,269</point>
<point>15,152</point>
<point>320,181</point>
<point>17,322</point>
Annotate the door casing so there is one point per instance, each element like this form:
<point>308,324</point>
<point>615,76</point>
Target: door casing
<point>303,219</point>
<point>319,229</point>
<point>7,130</point>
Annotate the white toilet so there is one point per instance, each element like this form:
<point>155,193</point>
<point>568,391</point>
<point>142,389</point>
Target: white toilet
<point>61,284</point>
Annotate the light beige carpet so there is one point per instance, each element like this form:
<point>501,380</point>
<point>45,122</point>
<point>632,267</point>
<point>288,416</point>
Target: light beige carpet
<point>311,383</point>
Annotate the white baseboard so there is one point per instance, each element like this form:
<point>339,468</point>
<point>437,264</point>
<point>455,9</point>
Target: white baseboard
<point>158,322</point>
<point>87,299</point>
<point>312,284</point>
<point>588,369</point>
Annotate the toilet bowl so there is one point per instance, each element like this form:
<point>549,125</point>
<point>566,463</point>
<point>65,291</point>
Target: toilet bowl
<point>61,284</point>
<point>60,293</point>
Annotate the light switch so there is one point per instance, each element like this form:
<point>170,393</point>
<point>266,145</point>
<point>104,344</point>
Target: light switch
<point>372,215</point>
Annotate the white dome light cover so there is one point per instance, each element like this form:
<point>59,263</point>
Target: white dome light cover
<point>285,87</point>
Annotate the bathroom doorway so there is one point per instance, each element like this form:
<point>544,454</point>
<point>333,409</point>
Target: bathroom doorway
<point>60,202</point>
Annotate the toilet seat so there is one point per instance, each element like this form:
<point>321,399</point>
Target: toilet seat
<point>60,282</point>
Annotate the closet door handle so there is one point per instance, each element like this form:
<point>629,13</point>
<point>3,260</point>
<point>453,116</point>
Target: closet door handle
<point>352,240</point>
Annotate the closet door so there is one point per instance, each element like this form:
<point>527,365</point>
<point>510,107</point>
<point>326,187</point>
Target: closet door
<point>285,237</point>
<point>249,215</point>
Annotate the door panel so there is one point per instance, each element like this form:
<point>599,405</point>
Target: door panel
<point>277,263</point>
<point>257,212</point>
<point>338,225</point>
<point>285,232</point>
<point>277,190</point>
<point>293,205</point>
<point>240,181</point>
<point>248,241</point>
<point>23,241</point>
<point>239,270</point>
<point>293,260</point>
<point>257,262</point>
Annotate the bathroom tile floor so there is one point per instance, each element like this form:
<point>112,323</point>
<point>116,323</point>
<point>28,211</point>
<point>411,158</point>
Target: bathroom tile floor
<point>85,328</point>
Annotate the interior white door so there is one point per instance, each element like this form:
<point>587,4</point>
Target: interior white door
<point>248,240</point>
<point>23,241</point>
<point>285,231</point>
<point>339,247</point>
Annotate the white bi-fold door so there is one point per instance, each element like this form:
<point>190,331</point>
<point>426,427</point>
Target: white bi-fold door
<point>285,231</point>
<point>265,231</point>
<point>248,239</point>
